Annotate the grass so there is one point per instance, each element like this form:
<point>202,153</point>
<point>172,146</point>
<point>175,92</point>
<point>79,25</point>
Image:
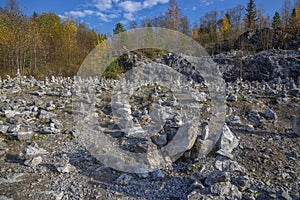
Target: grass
<point>113,71</point>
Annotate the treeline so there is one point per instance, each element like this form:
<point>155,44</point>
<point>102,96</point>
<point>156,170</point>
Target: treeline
<point>216,26</point>
<point>42,44</point>
<point>45,45</point>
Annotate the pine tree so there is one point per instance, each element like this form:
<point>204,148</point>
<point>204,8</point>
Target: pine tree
<point>251,16</point>
<point>276,23</point>
<point>119,28</point>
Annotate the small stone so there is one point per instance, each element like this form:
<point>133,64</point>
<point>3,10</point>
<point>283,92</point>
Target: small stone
<point>160,140</point>
<point>228,141</point>
<point>250,128</point>
<point>232,97</point>
<point>270,114</point>
<point>282,194</point>
<point>3,129</point>
<point>34,150</point>
<point>49,130</point>
<point>25,135</point>
<point>66,169</point>
<point>254,116</point>
<point>124,179</point>
<point>33,162</point>
<point>235,121</point>
<point>5,198</point>
<point>50,106</point>
<point>13,128</point>
<point>157,174</point>
<point>216,177</point>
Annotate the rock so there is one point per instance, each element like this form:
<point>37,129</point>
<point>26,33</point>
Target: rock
<point>241,182</point>
<point>45,115</point>
<point>160,140</point>
<point>3,151</point>
<point>49,130</point>
<point>236,121</point>
<point>66,168</point>
<point>33,162</point>
<point>5,198</point>
<point>216,177</point>
<point>25,135</point>
<point>227,142</point>
<point>11,113</point>
<point>221,189</point>
<point>157,174</point>
<point>50,106</point>
<point>34,150</point>
<point>13,128</point>
<point>254,116</point>
<point>197,185</point>
<point>283,195</point>
<point>250,128</point>
<point>296,125</point>
<point>270,114</point>
<point>124,179</point>
<point>3,129</point>
<point>224,164</point>
<point>232,97</point>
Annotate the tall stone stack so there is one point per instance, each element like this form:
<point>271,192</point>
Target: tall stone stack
<point>296,124</point>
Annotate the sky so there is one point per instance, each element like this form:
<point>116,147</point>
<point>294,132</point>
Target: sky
<point>102,15</point>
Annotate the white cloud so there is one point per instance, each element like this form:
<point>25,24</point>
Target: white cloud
<point>129,16</point>
<point>103,5</point>
<point>194,8</point>
<point>79,14</point>
<point>130,6</point>
<point>107,10</point>
<point>106,17</point>
<point>151,3</point>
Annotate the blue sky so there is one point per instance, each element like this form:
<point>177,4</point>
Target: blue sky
<point>102,15</point>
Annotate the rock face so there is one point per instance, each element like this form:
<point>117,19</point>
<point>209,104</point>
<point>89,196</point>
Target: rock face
<point>266,65</point>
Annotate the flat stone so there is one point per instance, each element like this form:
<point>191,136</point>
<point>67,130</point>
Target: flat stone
<point>66,168</point>
<point>34,150</point>
<point>228,141</point>
<point>160,140</point>
<point>216,177</point>
<point>235,121</point>
<point>124,179</point>
<point>25,135</point>
<point>250,128</point>
<point>33,162</point>
<point>270,114</point>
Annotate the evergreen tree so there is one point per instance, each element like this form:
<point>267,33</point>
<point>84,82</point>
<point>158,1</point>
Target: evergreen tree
<point>276,23</point>
<point>119,28</point>
<point>251,16</point>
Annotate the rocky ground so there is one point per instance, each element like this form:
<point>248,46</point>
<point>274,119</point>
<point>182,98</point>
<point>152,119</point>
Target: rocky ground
<point>257,155</point>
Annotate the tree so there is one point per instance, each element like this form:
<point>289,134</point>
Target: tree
<point>184,25</point>
<point>262,20</point>
<point>119,28</point>
<point>295,20</point>
<point>286,12</point>
<point>133,25</point>
<point>195,34</point>
<point>225,28</point>
<point>172,15</point>
<point>208,27</point>
<point>276,23</point>
<point>236,21</point>
<point>251,15</point>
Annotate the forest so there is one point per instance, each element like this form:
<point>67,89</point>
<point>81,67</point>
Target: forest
<point>44,44</point>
